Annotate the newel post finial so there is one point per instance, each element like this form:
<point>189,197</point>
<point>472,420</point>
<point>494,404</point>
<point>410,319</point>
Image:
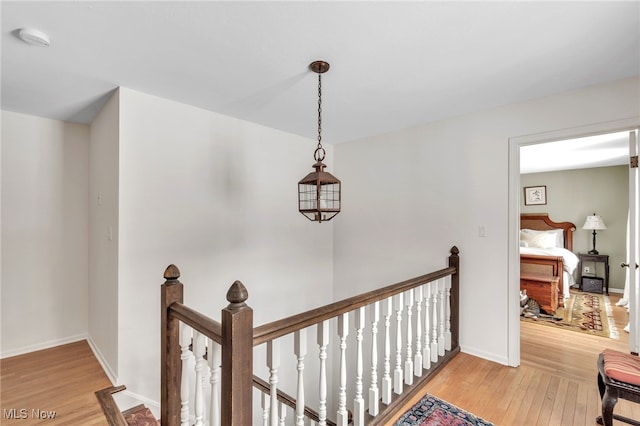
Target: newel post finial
<point>172,273</point>
<point>237,294</point>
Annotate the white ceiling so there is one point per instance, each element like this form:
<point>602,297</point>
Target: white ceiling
<point>610,149</point>
<point>393,64</point>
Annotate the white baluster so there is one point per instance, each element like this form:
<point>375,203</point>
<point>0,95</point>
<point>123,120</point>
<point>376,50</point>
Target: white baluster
<point>374,393</point>
<point>201,366</point>
<point>283,413</point>
<point>343,332</point>
<point>386,378</point>
<point>434,322</point>
<point>273,362</point>
<point>358,401</point>
<point>185,355</point>
<point>442,312</point>
<point>397,373</point>
<point>426,350</point>
<point>214,365</point>
<point>417,363</point>
<point>323,341</point>
<point>266,408</point>
<point>408,363</point>
<point>300,349</point>
<point>447,304</point>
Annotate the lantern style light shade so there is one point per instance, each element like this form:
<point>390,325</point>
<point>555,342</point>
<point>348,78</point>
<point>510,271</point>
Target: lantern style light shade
<point>595,223</point>
<point>319,194</point>
<point>319,191</point>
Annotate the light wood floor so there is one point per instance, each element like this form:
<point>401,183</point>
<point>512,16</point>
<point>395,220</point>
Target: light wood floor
<point>555,384</point>
<point>61,379</point>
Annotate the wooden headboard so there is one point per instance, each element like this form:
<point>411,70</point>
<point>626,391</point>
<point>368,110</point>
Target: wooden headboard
<point>541,222</point>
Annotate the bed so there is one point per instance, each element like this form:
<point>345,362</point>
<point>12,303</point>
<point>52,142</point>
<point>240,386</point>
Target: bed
<point>546,250</point>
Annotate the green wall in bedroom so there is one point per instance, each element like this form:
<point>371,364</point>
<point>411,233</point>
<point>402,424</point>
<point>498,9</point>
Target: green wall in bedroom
<point>572,195</point>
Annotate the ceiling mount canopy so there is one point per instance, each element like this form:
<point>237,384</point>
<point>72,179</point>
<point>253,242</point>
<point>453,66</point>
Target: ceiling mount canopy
<point>319,67</point>
<point>319,192</point>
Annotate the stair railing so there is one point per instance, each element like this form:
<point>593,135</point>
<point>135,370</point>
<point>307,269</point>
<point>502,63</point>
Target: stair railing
<point>420,315</point>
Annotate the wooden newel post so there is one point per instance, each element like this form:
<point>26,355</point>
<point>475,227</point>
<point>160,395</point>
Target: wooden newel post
<point>170,364</point>
<point>237,358</point>
<point>454,261</point>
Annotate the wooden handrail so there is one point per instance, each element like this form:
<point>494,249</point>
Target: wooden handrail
<point>194,319</point>
<point>288,400</point>
<point>264,333</point>
<point>109,407</point>
<point>279,328</point>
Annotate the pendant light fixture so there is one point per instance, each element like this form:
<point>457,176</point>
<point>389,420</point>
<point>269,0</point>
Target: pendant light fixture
<point>319,191</point>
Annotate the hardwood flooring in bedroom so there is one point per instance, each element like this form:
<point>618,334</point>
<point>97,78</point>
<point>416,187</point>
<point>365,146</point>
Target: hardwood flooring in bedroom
<point>556,383</point>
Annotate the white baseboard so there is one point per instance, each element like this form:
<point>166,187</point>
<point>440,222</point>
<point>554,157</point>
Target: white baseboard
<point>44,345</point>
<point>483,354</point>
<point>124,399</point>
<point>113,377</point>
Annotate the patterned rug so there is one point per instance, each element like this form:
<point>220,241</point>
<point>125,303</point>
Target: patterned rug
<point>432,411</point>
<point>140,416</point>
<point>589,313</point>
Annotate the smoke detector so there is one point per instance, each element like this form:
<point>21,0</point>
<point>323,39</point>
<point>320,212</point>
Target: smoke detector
<point>34,37</point>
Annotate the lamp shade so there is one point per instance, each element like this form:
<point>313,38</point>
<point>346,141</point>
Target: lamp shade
<point>594,222</point>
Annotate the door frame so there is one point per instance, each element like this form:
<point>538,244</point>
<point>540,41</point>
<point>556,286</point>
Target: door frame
<point>513,274</point>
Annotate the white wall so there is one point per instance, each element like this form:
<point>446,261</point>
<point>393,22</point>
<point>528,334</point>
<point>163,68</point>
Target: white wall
<point>410,195</point>
<point>217,197</point>
<point>103,235</point>
<point>44,232</point>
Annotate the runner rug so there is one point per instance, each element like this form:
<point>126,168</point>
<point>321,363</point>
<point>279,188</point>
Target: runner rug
<point>431,411</point>
<point>584,312</point>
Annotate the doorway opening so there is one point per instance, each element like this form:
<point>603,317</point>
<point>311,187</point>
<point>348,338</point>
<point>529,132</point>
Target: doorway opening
<point>516,206</point>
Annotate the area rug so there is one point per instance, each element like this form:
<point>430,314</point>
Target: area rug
<point>140,416</point>
<point>431,411</point>
<point>589,313</point>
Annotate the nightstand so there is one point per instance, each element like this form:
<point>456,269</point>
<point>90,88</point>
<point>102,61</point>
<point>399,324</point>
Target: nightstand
<point>595,258</point>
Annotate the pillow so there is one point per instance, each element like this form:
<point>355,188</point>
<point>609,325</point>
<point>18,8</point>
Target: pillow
<point>558,233</point>
<point>621,366</point>
<point>542,240</point>
<point>523,243</point>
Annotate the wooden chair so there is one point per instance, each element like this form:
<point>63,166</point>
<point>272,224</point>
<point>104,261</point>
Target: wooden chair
<point>612,389</point>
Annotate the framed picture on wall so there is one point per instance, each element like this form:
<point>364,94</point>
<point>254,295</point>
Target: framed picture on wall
<point>535,195</point>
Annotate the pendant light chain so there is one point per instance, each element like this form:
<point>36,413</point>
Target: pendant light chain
<point>320,152</point>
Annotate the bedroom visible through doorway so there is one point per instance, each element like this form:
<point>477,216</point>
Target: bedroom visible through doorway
<point>581,176</point>
<point>573,204</point>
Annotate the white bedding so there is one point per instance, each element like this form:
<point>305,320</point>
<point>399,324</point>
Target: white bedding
<point>570,263</point>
